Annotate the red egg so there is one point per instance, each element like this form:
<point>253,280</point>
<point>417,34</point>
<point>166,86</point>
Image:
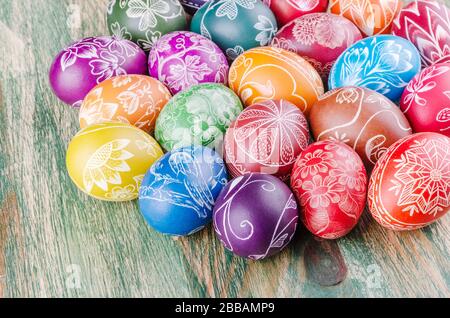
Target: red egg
<point>427,25</point>
<point>319,38</point>
<point>329,180</point>
<point>426,100</point>
<point>267,137</point>
<point>288,10</point>
<point>410,184</point>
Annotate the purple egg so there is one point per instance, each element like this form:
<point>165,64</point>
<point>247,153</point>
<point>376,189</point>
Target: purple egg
<point>191,6</point>
<point>183,59</point>
<point>81,66</point>
<point>255,216</point>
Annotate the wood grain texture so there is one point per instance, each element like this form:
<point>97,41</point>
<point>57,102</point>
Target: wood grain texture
<point>51,234</point>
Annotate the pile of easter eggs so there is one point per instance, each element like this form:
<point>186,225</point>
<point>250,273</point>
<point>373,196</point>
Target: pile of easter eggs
<point>255,114</point>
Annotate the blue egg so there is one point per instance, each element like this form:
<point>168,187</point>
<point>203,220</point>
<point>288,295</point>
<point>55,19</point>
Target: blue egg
<point>383,63</point>
<point>178,192</point>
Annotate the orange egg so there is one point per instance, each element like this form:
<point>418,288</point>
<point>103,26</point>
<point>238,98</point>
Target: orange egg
<point>268,73</point>
<point>372,17</point>
<point>132,99</point>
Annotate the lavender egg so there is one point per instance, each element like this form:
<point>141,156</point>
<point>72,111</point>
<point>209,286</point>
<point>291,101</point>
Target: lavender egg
<point>81,66</point>
<point>183,59</point>
<point>255,216</point>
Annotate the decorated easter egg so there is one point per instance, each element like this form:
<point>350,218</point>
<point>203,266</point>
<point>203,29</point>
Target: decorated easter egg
<point>319,38</point>
<point>427,25</point>
<point>80,67</point>
<point>197,116</point>
<point>266,137</point>
<point>363,119</point>
<point>144,21</point>
<point>372,17</point>
<point>108,161</point>
<point>191,6</point>
<point>410,185</point>
<point>288,10</point>
<point>330,182</point>
<point>133,99</point>
<point>383,63</point>
<point>426,100</point>
<point>178,192</point>
<point>272,73</point>
<point>182,59</point>
<point>255,216</point>
<point>235,26</point>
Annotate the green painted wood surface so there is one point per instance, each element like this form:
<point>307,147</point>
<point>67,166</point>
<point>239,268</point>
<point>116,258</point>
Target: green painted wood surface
<point>56,242</point>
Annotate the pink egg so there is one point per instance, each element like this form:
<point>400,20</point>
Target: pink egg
<point>426,100</point>
<point>319,38</point>
<point>330,183</point>
<point>288,10</point>
<point>427,25</point>
<point>81,66</point>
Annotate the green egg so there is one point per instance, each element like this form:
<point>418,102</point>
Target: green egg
<point>145,21</point>
<point>197,116</point>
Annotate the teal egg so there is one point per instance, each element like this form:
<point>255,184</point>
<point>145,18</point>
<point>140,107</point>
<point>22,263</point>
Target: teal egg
<point>145,21</point>
<point>235,26</point>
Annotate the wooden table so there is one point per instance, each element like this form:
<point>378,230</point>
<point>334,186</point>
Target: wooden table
<point>57,242</point>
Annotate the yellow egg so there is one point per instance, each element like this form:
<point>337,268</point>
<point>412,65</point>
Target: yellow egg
<point>108,161</point>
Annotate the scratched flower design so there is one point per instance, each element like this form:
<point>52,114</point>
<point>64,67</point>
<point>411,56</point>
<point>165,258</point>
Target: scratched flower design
<point>316,162</point>
<point>347,175</point>
<point>187,72</point>
<point>204,128</point>
<point>422,183</point>
<point>147,12</point>
<point>126,193</point>
<point>95,110</point>
<point>267,30</point>
<point>107,66</point>
<point>229,8</point>
<point>83,50</point>
<point>106,164</point>
<point>380,69</point>
<point>320,192</point>
<point>120,32</point>
<point>422,83</point>
<point>150,39</point>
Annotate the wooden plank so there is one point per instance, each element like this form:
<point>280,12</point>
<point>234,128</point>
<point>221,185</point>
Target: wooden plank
<point>56,242</point>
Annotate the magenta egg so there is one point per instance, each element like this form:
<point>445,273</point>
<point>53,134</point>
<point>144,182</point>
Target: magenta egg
<point>427,25</point>
<point>255,215</point>
<point>81,66</point>
<point>182,59</point>
<point>319,38</point>
<point>426,100</point>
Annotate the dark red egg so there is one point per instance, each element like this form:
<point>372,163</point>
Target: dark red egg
<point>266,137</point>
<point>329,180</point>
<point>319,38</point>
